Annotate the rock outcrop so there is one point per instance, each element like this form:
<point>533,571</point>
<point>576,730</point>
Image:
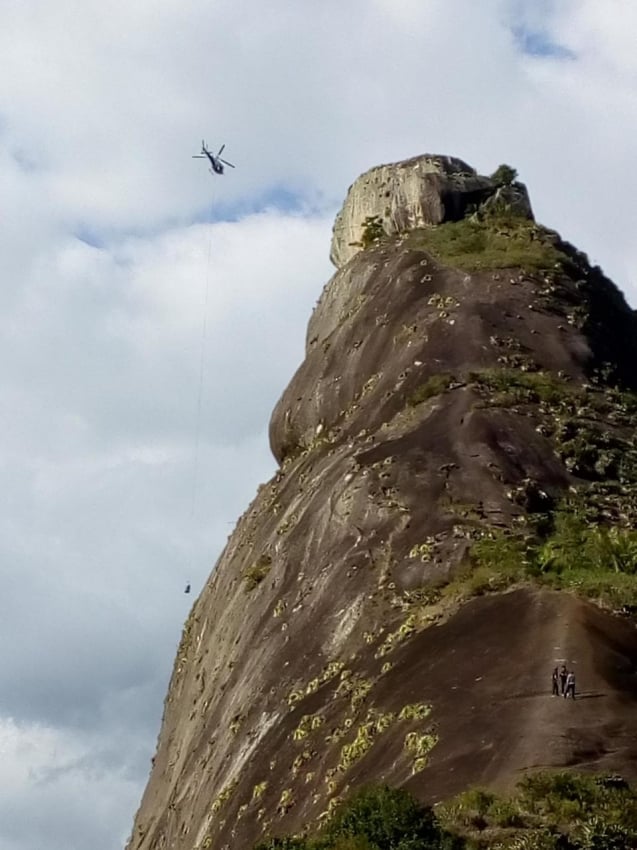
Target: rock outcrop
<point>458,381</point>
<point>419,192</point>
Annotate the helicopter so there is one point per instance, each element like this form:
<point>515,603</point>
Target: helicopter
<point>215,159</point>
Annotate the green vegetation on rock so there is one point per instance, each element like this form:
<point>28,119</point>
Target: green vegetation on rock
<point>259,790</point>
<point>404,631</point>
<point>373,231</point>
<point>433,386</point>
<point>419,745</point>
<point>591,427</point>
<point>504,175</point>
<point>547,811</point>
<point>564,550</point>
<point>415,711</point>
<point>255,574</point>
<point>492,242</point>
<point>224,795</point>
<point>375,724</point>
<point>374,819</point>
<point>308,723</point>
<point>507,387</point>
<point>583,540</point>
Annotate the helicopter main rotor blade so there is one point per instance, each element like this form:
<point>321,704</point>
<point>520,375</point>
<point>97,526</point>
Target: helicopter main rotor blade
<point>199,156</point>
<point>221,149</point>
<point>225,162</point>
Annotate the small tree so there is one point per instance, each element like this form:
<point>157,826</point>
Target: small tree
<point>373,231</point>
<point>388,818</point>
<point>504,175</point>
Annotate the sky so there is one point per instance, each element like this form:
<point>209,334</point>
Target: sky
<point>151,314</point>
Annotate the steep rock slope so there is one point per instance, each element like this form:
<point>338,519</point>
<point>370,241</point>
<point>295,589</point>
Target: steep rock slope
<point>458,379</point>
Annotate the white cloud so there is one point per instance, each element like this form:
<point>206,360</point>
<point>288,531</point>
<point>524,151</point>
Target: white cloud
<point>44,777</point>
<point>603,36</point>
<point>111,507</point>
<point>103,390</point>
<point>101,107</point>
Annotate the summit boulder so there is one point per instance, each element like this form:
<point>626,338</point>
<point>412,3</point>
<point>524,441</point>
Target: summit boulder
<point>418,192</point>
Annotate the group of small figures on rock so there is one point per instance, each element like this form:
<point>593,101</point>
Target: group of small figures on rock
<point>563,683</point>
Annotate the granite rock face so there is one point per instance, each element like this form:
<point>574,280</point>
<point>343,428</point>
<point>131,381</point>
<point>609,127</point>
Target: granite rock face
<point>321,654</point>
<point>426,190</point>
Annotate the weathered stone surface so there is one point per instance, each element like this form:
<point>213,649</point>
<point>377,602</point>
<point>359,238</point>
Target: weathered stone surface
<point>317,630</point>
<point>414,193</point>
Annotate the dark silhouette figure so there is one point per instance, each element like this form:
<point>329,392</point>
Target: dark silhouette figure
<point>187,590</point>
<point>555,683</point>
<point>563,677</point>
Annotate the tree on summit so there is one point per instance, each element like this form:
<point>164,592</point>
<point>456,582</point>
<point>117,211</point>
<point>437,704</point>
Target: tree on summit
<point>504,175</point>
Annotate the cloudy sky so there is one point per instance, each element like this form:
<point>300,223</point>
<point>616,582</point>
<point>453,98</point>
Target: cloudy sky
<point>152,314</point>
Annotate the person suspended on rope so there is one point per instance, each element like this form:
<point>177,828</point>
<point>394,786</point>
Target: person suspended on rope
<point>187,590</point>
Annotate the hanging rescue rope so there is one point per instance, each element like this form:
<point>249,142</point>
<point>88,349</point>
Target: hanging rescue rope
<point>217,167</point>
<point>200,394</point>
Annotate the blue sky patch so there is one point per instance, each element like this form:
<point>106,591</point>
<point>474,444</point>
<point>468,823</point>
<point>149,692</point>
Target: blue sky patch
<point>279,198</point>
<point>539,43</point>
<point>90,237</point>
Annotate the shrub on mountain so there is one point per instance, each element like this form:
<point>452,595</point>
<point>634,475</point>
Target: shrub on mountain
<point>504,175</point>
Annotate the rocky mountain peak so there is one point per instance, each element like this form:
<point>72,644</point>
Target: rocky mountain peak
<point>419,192</point>
<point>456,449</point>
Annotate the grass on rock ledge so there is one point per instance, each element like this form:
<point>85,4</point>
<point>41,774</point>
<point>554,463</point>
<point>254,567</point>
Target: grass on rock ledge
<point>565,552</point>
<point>495,241</point>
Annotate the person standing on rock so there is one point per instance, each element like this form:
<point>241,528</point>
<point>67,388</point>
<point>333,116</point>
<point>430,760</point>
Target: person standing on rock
<point>555,683</point>
<point>570,685</point>
<point>563,677</point>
